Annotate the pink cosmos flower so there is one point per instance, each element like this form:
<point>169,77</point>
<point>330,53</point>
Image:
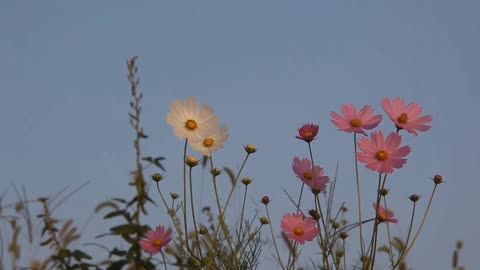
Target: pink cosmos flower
<point>156,239</point>
<point>383,155</point>
<point>303,170</point>
<point>406,117</point>
<point>384,215</point>
<point>308,132</point>
<point>353,121</point>
<point>298,228</point>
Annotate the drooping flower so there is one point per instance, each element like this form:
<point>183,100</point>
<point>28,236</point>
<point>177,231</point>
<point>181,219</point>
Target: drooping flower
<point>384,215</point>
<point>383,155</point>
<point>315,178</point>
<point>308,132</point>
<point>212,142</point>
<point>353,121</point>
<point>156,239</point>
<point>406,116</point>
<point>190,120</point>
<point>299,228</point>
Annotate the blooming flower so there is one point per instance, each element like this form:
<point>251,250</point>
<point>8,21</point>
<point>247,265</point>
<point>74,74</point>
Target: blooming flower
<point>303,170</point>
<point>383,155</point>
<point>353,121</point>
<point>298,228</point>
<point>192,121</point>
<point>308,132</point>
<point>406,117</point>
<point>212,142</point>
<point>156,239</point>
<point>384,215</point>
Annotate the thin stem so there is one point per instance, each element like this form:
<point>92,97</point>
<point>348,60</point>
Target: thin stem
<point>423,221</point>
<point>163,258</point>
<point>344,255</point>
<point>185,192</point>
<point>388,233</point>
<point>273,238</point>
<point>193,214</point>
<point>402,254</point>
<point>243,208</point>
<point>235,182</point>
<point>359,199</point>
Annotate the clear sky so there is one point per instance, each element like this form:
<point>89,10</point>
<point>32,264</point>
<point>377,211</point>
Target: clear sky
<point>266,67</point>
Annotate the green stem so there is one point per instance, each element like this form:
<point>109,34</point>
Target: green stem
<point>402,254</point>
<point>185,193</point>
<point>273,239</point>
<point>193,215</point>
<point>359,199</point>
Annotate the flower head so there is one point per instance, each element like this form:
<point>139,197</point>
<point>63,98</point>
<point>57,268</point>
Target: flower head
<point>383,155</point>
<point>212,142</point>
<point>384,215</point>
<point>156,239</point>
<point>406,116</point>
<point>353,121</point>
<point>192,121</point>
<point>308,132</point>
<point>298,228</point>
<point>312,178</point>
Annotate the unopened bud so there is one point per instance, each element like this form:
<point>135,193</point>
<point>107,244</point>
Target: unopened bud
<point>203,230</point>
<point>174,195</point>
<point>215,171</point>
<point>266,200</point>
<point>438,179</point>
<point>335,225</point>
<point>191,161</point>
<point>459,245</point>
<point>157,177</point>
<point>264,220</point>
<point>383,192</point>
<point>343,235</point>
<point>339,253</point>
<point>246,181</point>
<point>250,148</point>
<point>314,214</point>
<point>414,197</point>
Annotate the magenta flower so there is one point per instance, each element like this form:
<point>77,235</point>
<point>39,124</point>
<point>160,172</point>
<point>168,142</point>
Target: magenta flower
<point>298,228</point>
<point>384,215</point>
<point>353,121</point>
<point>308,132</point>
<point>303,170</point>
<point>406,117</point>
<point>156,239</point>
<point>383,155</point>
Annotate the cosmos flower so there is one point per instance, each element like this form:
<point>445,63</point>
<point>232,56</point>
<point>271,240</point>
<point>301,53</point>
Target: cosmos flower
<point>384,215</point>
<point>383,155</point>
<point>192,121</point>
<point>353,121</point>
<point>308,132</point>
<point>212,142</point>
<point>406,117</point>
<point>298,228</point>
<point>303,170</point>
<point>156,239</point>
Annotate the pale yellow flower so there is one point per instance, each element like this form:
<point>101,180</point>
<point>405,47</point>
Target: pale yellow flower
<point>212,142</point>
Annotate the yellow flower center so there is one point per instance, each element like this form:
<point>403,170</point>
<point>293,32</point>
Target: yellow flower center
<point>355,123</point>
<point>382,217</point>
<point>307,175</point>
<point>191,124</point>
<point>208,142</point>
<point>308,134</point>
<point>381,155</point>
<point>298,231</point>
<point>157,243</point>
<point>403,118</point>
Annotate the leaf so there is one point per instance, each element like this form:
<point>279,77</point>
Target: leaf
<point>230,174</point>
<point>114,214</point>
<point>124,229</point>
<point>46,242</point>
<point>117,265</point>
<point>64,253</point>
<point>117,252</point>
<point>79,255</point>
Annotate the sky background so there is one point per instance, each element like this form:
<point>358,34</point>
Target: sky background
<point>266,67</point>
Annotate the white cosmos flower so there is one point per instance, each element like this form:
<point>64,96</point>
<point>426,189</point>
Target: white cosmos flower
<point>212,142</point>
<point>192,121</point>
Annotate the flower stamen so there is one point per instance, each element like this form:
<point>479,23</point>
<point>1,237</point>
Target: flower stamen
<point>307,175</point>
<point>356,123</point>
<point>157,243</point>
<point>381,155</point>
<point>298,231</point>
<point>191,124</point>
<point>208,142</point>
<point>403,118</point>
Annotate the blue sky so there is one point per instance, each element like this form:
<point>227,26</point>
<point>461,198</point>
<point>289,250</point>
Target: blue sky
<point>266,67</point>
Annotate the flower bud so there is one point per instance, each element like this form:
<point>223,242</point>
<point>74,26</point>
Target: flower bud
<point>157,177</point>
<point>264,220</point>
<point>414,197</point>
<point>203,230</point>
<point>437,179</point>
<point>266,200</point>
<point>215,171</point>
<point>335,225</point>
<point>246,181</point>
<point>339,253</point>
<point>314,214</point>
<point>174,195</point>
<point>191,161</point>
<point>250,148</point>
<point>383,192</point>
<point>343,235</point>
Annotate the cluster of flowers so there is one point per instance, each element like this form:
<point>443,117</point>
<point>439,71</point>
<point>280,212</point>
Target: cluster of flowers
<point>200,126</point>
